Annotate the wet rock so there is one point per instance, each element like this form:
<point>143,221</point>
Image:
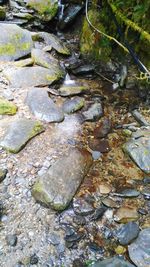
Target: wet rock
<point>99,212</point>
<point>15,42</point>
<point>127,233</point>
<point>138,149</point>
<point>146,180</point>
<point>103,129</point>
<point>126,214</point>
<point>104,188</point>
<point>99,145</point>
<point>11,240</point>
<point>34,259</point>
<point>42,106</point>
<point>51,40</point>
<point>7,107</point>
<point>139,250</point>
<point>45,60</point>
<point>71,235</point>
<point>1,209</point>
<point>46,9</point>
<point>82,207</point>
<point>32,76</point>
<point>70,90</point>
<point>128,193</point>
<point>112,262</point>
<point>95,248</point>
<point>3,173</point>
<point>71,106</point>
<point>96,155</point>
<point>69,15</point>
<point>57,187</point>
<point>18,133</point>
<point>79,220</point>
<point>108,202</point>
<point>53,239</point>
<point>94,112</point>
<point>146,192</point>
<point>83,70</point>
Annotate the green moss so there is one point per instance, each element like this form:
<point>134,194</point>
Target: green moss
<point>47,9</point>
<point>2,13</point>
<point>7,108</point>
<point>39,193</point>
<point>38,128</point>
<point>7,49</point>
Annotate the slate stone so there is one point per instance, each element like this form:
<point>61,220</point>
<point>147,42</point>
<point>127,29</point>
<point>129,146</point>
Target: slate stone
<point>15,42</point>
<point>7,107</point>
<point>139,250</point>
<point>46,9</point>
<point>138,148</point>
<point>42,106</point>
<point>94,112</point>
<point>44,59</point>
<point>72,105</point>
<point>82,207</point>
<point>3,173</point>
<point>51,40</point>
<point>112,262</point>
<point>128,193</point>
<point>32,76</point>
<point>70,90</point>
<point>18,133</point>
<point>126,214</point>
<point>57,187</point>
<point>127,233</point>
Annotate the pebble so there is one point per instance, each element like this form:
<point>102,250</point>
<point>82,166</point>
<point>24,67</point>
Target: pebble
<point>126,214</point>
<point>82,207</point>
<point>127,233</point>
<point>53,239</point>
<point>11,240</point>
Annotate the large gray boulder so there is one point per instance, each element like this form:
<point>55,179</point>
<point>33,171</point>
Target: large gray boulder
<point>42,106</point>
<point>32,76</point>
<point>18,133</point>
<point>15,42</point>
<point>57,187</point>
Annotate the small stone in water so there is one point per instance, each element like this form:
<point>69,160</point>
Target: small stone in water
<point>127,233</point>
<point>54,239</point>
<point>11,240</point>
<point>96,155</point>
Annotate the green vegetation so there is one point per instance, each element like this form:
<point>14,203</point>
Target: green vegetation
<point>7,107</point>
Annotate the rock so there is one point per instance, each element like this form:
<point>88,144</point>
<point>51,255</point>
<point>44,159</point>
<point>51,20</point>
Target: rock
<point>45,60</point>
<point>146,192</point>
<point>99,212</point>
<point>21,15</point>
<point>3,173</point>
<point>96,155</point>
<point>126,214</point>
<point>42,106</point>
<point>139,250</point>
<point>58,186</point>
<point>120,250</point>
<point>127,233</point>
<point>34,259</point>
<point>7,107</point>
<point>112,262</point>
<point>104,188</point>
<point>71,106</point>
<point>138,149</point>
<point>1,209</point>
<point>83,70</point>
<point>108,202</point>
<point>94,112</point>
<point>70,90</point>
<point>103,129</point>
<point>46,9</point>
<point>15,42</point>
<point>53,238</point>
<point>69,15</point>
<point>82,207</point>
<point>128,193</point>
<point>18,133</point>
<point>11,240</point>
<point>32,76</point>
<point>2,13</point>
<point>24,62</point>
<point>51,40</point>
<point>99,145</point>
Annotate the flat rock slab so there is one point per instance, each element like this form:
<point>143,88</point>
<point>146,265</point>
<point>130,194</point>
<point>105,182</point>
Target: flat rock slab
<point>70,90</point>
<point>58,186</point>
<point>139,251</point>
<point>94,112</point>
<point>18,133</point>
<point>46,9</point>
<point>15,42</point>
<point>138,148</point>
<point>32,76</point>
<point>127,233</point>
<point>126,214</point>
<point>51,40</point>
<point>7,107</point>
<point>112,262</point>
<point>72,105</point>
<point>42,106</point>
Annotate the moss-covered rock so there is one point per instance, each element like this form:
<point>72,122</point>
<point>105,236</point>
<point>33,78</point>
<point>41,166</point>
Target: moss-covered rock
<point>46,9</point>
<point>7,107</point>
<point>93,43</point>
<point>2,13</point>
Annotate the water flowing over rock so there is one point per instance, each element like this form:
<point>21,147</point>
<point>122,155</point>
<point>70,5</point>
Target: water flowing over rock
<point>112,262</point>
<point>42,106</point>
<point>139,251</point>
<point>58,186</point>
<point>46,9</point>
<point>15,42</point>
<point>138,149</point>
<point>18,133</point>
<point>32,76</point>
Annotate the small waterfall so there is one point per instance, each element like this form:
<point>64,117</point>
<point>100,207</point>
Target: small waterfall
<point>68,80</point>
<point>61,9</point>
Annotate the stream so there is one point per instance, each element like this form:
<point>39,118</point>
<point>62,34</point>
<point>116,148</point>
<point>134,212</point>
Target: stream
<point>74,148</point>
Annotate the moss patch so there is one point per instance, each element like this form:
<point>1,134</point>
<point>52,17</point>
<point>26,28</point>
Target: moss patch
<point>7,107</point>
<point>47,9</point>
